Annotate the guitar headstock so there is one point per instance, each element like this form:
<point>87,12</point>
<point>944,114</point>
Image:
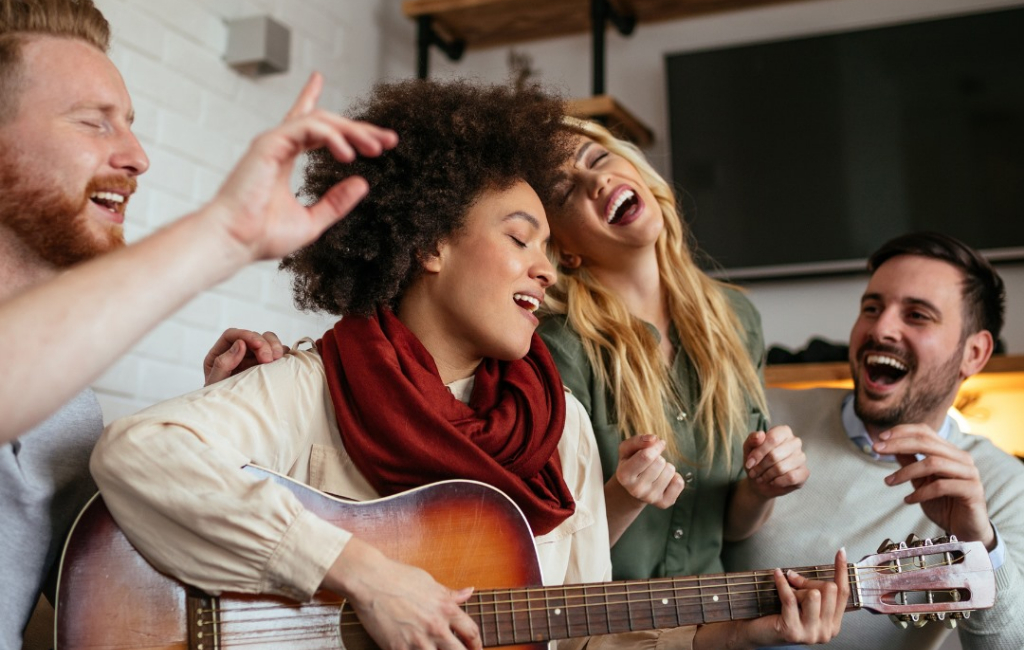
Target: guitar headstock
<point>917,581</point>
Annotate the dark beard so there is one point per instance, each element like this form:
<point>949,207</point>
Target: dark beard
<point>920,401</point>
<point>50,222</point>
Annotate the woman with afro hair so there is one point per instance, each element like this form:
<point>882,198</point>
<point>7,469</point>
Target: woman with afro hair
<point>433,372</point>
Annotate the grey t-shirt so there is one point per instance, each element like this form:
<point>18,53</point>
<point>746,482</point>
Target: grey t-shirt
<point>44,483</point>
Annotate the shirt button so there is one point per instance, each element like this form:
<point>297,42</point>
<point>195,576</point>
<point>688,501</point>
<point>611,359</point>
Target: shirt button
<point>677,533</point>
<point>688,477</point>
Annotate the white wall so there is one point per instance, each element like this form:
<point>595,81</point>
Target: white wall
<point>195,117</point>
<point>792,311</point>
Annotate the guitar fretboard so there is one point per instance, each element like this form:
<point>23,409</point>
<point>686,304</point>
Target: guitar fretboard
<point>531,615</point>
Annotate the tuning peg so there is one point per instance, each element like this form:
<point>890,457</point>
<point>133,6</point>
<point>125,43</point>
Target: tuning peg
<point>913,540</point>
<point>942,539</point>
<point>951,623</point>
<point>899,620</point>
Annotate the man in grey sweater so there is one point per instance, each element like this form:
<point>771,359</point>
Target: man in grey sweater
<point>887,460</point>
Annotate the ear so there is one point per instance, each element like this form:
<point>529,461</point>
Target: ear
<point>977,351</point>
<point>570,260</point>
<point>433,262</point>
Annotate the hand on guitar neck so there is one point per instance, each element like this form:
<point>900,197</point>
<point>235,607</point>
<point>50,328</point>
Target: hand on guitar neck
<point>812,612</point>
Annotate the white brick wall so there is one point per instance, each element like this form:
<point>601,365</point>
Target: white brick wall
<point>195,116</point>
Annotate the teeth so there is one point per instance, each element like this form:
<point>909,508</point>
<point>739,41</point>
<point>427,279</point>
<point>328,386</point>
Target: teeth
<point>619,200</point>
<point>533,303</point>
<point>875,359</point>
<point>108,196</point>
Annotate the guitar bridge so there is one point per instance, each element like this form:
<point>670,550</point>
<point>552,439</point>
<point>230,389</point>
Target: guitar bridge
<point>203,620</point>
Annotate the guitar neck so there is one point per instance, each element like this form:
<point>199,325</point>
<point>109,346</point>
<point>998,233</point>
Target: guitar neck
<point>534,614</point>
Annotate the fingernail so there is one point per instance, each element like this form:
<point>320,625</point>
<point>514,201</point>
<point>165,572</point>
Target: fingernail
<point>647,437</point>
<point>889,479</point>
<point>235,346</point>
<point>885,435</point>
<point>879,446</point>
<point>749,463</point>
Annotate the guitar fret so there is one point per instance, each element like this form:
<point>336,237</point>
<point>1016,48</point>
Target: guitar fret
<point>530,607</point>
<point>607,612</point>
<point>570,611</point>
<point>586,610</point>
<point>728,597</point>
<point>700,597</point>
<point>497,620</point>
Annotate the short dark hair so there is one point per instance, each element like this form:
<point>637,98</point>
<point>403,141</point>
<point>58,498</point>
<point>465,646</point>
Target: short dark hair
<point>982,289</point>
<point>21,19</point>
<point>456,140</point>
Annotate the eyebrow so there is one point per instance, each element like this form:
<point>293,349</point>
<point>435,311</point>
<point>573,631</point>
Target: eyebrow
<point>527,217</point>
<point>583,150</point>
<point>914,302</point>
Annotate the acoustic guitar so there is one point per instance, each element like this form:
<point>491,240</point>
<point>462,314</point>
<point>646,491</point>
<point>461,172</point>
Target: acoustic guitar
<point>465,533</point>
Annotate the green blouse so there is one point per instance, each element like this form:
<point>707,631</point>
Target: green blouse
<point>684,539</point>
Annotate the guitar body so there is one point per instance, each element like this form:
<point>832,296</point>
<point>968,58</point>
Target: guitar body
<point>109,596</point>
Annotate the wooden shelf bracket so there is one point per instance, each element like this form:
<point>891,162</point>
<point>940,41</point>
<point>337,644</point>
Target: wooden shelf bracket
<point>427,36</point>
<point>601,13</point>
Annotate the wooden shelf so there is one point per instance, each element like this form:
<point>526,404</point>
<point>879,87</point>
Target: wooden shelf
<point>487,23</point>
<point>619,121</point>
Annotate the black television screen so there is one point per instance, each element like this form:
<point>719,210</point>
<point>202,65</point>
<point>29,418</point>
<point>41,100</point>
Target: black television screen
<point>803,156</point>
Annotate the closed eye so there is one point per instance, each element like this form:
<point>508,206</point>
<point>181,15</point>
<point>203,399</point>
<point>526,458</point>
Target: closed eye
<point>520,243</point>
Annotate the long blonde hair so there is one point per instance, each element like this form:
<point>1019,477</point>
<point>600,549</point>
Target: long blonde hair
<point>623,350</point>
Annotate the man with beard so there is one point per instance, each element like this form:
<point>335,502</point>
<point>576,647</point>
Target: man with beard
<point>68,167</point>
<point>886,460</point>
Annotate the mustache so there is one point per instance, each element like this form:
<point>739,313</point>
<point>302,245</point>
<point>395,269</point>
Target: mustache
<point>112,183</point>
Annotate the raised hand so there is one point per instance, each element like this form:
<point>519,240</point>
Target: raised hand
<point>946,482</point>
<point>237,350</point>
<point>645,474</point>
<point>775,462</point>
<point>642,477</point>
<point>256,205</point>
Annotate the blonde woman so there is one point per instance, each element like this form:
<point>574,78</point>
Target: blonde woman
<point>665,357</point>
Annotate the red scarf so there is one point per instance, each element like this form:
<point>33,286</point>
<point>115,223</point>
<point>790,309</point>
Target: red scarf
<point>403,428</point>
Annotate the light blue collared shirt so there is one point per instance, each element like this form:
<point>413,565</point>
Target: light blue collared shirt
<point>862,441</point>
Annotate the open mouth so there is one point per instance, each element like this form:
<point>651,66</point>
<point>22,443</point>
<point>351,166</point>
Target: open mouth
<point>110,200</point>
<point>526,301</point>
<point>625,204</point>
<point>884,370</point>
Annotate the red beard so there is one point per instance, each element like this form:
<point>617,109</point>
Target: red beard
<point>51,222</point>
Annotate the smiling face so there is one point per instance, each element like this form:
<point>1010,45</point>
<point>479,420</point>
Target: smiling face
<point>478,295</point>
<point>602,209</point>
<point>68,158</point>
<point>907,352</point>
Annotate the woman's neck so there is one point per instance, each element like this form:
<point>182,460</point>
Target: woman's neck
<point>638,285</point>
<point>416,311</point>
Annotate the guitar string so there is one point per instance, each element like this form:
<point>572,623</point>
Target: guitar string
<point>742,598</point>
<point>659,585</point>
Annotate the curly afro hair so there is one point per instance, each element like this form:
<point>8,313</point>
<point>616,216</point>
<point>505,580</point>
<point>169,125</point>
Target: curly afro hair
<point>456,140</point>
